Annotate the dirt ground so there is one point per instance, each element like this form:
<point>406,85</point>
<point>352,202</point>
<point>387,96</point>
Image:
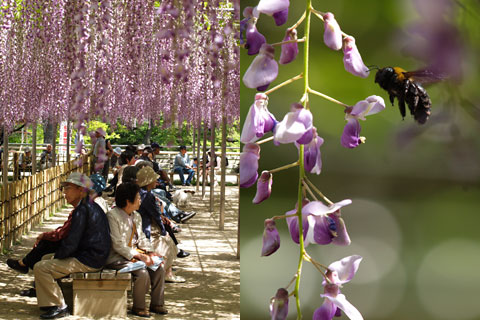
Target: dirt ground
<point>212,271</point>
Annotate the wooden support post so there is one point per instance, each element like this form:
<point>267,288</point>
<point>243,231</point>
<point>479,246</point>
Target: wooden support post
<point>68,140</point>
<point>198,156</point>
<point>54,145</point>
<point>212,162</point>
<point>221,223</point>
<point>34,148</point>
<point>204,162</point>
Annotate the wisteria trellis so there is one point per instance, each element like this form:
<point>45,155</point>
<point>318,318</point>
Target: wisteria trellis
<point>129,60</point>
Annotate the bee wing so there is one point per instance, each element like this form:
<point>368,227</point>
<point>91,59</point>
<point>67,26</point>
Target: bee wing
<point>425,76</point>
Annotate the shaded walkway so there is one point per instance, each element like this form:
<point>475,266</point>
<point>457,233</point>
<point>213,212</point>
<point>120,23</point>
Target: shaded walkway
<point>212,271</point>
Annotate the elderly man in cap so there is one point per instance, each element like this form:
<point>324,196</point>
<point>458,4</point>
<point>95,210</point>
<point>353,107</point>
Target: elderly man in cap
<point>182,165</point>
<point>25,161</point>
<point>85,248</point>
<point>46,158</point>
<point>99,151</point>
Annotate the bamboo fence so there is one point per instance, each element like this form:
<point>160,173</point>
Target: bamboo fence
<point>26,203</point>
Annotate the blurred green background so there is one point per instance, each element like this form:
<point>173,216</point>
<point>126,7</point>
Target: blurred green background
<point>415,215</point>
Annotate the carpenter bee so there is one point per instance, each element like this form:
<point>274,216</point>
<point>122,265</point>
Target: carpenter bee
<point>407,88</point>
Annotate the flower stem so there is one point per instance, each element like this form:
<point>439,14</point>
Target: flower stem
<point>288,41</point>
<point>299,21</point>
<point>264,140</point>
<point>318,191</point>
<point>291,281</point>
<point>310,191</point>
<point>285,167</point>
<point>327,97</point>
<point>284,84</point>
<point>284,216</point>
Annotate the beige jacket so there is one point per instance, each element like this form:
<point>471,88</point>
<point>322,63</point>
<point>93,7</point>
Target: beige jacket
<point>121,232</point>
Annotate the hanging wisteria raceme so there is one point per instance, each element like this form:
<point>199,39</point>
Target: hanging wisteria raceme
<point>112,60</point>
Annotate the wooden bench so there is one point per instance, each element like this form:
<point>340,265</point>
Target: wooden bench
<point>100,294</point>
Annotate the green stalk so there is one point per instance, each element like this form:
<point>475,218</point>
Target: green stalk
<point>300,161</point>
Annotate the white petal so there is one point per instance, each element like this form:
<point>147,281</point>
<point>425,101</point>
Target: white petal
<point>341,302</point>
<point>346,268</point>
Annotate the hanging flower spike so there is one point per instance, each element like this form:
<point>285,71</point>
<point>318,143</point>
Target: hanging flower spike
<point>289,50</point>
<point>312,157</point>
<point>258,121</point>
<point>263,70</point>
<point>339,272</point>
<point>276,8</point>
<point>351,133</point>
<point>279,305</point>
<point>352,59</point>
<point>249,165</point>
<point>332,35</point>
<point>292,223</point>
<point>325,224</point>
<point>264,187</point>
<point>271,238</point>
<point>296,126</point>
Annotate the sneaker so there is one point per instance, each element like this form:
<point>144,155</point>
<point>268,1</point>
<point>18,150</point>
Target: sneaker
<point>55,312</point>
<point>182,254</point>
<point>187,216</point>
<point>15,265</point>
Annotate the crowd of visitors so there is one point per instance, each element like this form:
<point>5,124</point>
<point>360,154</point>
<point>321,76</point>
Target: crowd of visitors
<point>141,225</point>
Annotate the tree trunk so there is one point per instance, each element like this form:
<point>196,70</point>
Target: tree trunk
<point>224,171</point>
<point>204,162</point>
<point>48,132</point>
<point>212,162</point>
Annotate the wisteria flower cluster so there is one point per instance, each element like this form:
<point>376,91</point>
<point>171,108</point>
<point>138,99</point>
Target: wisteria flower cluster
<point>315,220</point>
<point>133,60</point>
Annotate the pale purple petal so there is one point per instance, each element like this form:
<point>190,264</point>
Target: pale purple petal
<point>280,17</point>
<point>332,35</point>
<point>292,223</point>
<point>319,231</point>
<point>352,60</point>
<point>264,187</point>
<point>342,238</point>
<point>369,106</point>
<point>346,268</point>
<point>351,134</point>
<point>289,50</point>
<point>249,165</point>
<point>317,208</point>
<point>263,70</point>
<point>270,7</point>
<point>258,121</point>
<point>294,125</point>
<point>279,305</point>
<point>341,302</point>
<point>271,238</point>
<point>326,311</point>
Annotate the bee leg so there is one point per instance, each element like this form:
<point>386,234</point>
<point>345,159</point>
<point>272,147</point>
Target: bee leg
<point>409,93</point>
<point>401,105</point>
<point>392,98</point>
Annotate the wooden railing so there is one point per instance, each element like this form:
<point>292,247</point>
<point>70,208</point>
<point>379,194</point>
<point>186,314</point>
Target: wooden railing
<point>27,202</point>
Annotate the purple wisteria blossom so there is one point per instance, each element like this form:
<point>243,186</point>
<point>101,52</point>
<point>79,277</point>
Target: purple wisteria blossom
<point>271,238</point>
<point>258,121</point>
<point>321,224</point>
<point>296,126</point>
<point>254,39</point>
<point>263,70</point>
<point>339,272</point>
<point>312,156</point>
<point>332,35</point>
<point>276,8</point>
<point>351,133</point>
<point>352,59</point>
<point>289,50</point>
<point>249,165</point>
<point>279,305</point>
<point>264,187</point>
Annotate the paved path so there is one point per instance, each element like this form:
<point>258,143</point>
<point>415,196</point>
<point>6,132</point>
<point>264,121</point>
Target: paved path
<point>212,271</point>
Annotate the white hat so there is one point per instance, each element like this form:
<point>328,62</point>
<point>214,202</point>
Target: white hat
<point>27,149</point>
<point>101,131</point>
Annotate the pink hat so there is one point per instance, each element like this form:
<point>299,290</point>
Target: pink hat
<point>101,131</point>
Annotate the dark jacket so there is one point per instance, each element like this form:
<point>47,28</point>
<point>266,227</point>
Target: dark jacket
<point>149,210</point>
<point>89,237</point>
